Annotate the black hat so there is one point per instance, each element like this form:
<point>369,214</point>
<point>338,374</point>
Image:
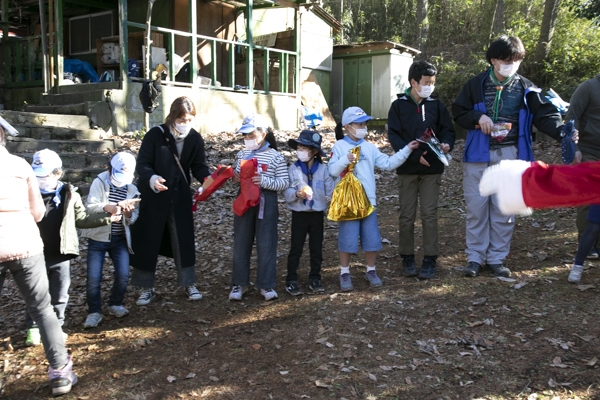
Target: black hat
<point>307,138</point>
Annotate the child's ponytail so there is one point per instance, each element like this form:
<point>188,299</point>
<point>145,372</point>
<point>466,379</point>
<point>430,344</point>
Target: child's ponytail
<point>270,138</point>
<point>339,132</point>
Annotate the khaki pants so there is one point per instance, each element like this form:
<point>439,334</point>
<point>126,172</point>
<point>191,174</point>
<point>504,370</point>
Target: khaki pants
<point>581,221</point>
<point>425,189</point>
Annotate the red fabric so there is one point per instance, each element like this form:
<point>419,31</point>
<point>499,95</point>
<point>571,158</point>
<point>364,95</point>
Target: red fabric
<point>214,182</point>
<point>547,186</point>
<point>249,192</point>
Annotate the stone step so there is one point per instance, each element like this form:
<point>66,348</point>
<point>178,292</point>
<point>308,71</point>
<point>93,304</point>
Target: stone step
<point>55,120</point>
<point>81,175</point>
<point>24,145</point>
<point>77,161</point>
<point>68,109</point>
<point>73,98</point>
<point>57,133</point>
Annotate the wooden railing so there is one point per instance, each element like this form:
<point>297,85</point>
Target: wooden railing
<point>23,61</point>
<point>270,58</point>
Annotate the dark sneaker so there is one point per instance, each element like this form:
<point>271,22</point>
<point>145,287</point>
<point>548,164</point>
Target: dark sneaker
<point>592,254</point>
<point>315,286</point>
<point>61,380</point>
<point>428,268</point>
<point>373,279</point>
<point>499,270</point>
<point>408,266</point>
<point>472,269</point>
<point>293,289</point>
<point>346,283</point>
<point>146,296</point>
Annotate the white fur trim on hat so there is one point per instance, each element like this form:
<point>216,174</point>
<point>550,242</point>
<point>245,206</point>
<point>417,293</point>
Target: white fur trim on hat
<point>505,180</point>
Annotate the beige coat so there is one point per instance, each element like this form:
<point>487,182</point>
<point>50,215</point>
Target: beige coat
<point>21,206</point>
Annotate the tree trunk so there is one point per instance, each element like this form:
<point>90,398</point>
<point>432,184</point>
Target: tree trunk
<point>423,27</point>
<point>498,20</point>
<point>542,50</point>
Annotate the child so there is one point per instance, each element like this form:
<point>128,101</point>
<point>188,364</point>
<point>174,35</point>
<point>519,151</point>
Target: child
<point>107,193</point>
<point>64,212</point>
<point>586,242</point>
<point>354,121</point>
<point>307,198</point>
<point>260,220</point>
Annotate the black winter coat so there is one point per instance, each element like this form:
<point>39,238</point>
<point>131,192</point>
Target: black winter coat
<point>405,124</point>
<point>150,234</point>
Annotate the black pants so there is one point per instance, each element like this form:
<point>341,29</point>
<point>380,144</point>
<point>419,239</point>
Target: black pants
<point>304,223</point>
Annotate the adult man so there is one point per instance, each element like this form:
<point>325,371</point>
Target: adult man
<point>585,110</point>
<point>419,177</point>
<point>498,107</point>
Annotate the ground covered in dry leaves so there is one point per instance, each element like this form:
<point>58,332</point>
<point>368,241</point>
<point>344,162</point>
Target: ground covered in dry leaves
<point>533,337</point>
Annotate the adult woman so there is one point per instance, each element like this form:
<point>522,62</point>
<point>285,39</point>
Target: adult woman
<point>165,226</point>
<point>21,253</point>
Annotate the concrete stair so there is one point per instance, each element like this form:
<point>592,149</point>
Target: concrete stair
<point>85,152</point>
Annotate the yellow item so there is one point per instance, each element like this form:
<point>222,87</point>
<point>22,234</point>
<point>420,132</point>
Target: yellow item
<point>349,200</point>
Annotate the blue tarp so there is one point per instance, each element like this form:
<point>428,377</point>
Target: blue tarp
<point>81,68</point>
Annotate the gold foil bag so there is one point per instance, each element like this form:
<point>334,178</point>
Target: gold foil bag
<point>349,200</point>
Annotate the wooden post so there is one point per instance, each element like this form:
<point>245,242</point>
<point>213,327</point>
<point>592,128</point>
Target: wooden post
<point>46,72</point>
<point>193,40</point>
<point>250,53</point>
<point>59,49</point>
<point>51,41</point>
<point>148,55</point>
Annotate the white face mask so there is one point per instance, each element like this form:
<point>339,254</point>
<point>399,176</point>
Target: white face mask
<point>360,133</point>
<point>48,183</point>
<point>507,70</point>
<point>116,182</point>
<point>183,129</point>
<point>251,144</point>
<point>426,91</point>
<point>304,155</point>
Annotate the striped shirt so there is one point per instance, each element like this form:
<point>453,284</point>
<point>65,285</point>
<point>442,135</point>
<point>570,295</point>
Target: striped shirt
<point>116,195</point>
<point>272,164</point>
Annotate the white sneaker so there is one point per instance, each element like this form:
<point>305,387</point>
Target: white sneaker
<point>268,294</point>
<point>237,292</point>
<point>193,293</point>
<point>146,296</point>
<point>118,311</point>
<point>575,274</point>
<point>62,380</point>
<point>92,320</point>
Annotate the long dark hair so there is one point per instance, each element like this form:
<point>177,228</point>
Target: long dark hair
<point>181,106</point>
<point>339,131</point>
<point>269,137</point>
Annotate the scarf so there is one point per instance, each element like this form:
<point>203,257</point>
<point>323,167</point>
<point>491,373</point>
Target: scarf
<point>497,99</point>
<point>56,199</point>
<point>309,172</point>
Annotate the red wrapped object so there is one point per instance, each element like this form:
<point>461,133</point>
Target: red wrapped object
<point>214,182</point>
<point>249,192</point>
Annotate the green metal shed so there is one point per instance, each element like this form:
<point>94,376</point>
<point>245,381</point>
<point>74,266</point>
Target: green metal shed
<point>369,75</point>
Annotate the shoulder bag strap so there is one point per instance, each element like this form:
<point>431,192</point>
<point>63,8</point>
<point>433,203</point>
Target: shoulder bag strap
<point>174,155</point>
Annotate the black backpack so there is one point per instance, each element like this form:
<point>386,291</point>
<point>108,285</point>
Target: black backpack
<point>149,95</point>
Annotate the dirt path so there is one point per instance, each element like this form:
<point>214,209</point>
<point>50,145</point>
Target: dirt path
<point>449,338</point>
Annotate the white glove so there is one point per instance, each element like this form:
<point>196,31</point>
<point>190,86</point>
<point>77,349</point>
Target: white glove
<point>505,181</point>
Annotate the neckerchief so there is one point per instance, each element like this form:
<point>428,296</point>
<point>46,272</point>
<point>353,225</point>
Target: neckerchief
<point>56,192</point>
<point>252,152</point>
<point>352,142</point>
<point>309,172</point>
<point>499,87</point>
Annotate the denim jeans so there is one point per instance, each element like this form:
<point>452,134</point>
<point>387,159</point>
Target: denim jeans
<point>31,278</point>
<point>117,250</point>
<point>245,228</point>
<point>59,279</point>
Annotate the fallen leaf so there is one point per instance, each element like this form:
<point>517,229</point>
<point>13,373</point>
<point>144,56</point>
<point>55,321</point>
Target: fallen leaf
<point>464,353</point>
<point>557,362</point>
<point>583,288</point>
<point>408,381</point>
<point>171,379</point>
<point>213,378</point>
<point>321,384</point>
<point>133,372</point>
<point>190,375</point>
<point>256,346</point>
<point>585,338</point>
<point>503,279</point>
<point>385,367</point>
<point>520,285</point>
<point>372,377</point>
<point>592,362</point>
<point>284,372</point>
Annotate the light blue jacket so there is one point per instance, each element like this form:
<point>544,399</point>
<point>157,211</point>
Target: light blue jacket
<point>322,185</point>
<point>370,157</point>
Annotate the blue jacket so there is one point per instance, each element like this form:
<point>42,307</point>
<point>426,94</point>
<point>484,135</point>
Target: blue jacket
<point>469,106</point>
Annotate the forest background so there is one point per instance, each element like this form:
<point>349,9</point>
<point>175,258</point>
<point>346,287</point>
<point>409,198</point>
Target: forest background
<point>562,37</point>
